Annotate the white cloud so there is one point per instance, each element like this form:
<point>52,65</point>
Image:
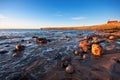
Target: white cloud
<point>78,18</point>
<point>3,17</point>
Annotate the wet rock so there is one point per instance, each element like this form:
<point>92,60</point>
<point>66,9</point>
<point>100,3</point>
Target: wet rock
<point>28,42</point>
<point>22,40</point>
<point>95,40</point>
<point>86,37</point>
<point>7,45</point>
<point>19,47</point>
<point>3,51</point>
<point>96,50</point>
<point>76,52</point>
<point>34,37</point>
<point>65,61</point>
<point>65,37</point>
<point>40,40</point>
<point>14,55</point>
<point>84,45</point>
<point>85,56</point>
<point>111,37</point>
<point>69,69</point>
<point>65,58</point>
<point>65,64</point>
<point>79,35</point>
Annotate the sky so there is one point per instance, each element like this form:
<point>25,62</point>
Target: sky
<point>35,14</point>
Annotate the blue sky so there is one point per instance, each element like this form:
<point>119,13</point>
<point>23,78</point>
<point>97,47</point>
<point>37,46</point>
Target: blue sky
<point>48,13</point>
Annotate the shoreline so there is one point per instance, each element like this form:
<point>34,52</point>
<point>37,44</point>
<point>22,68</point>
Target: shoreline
<point>94,27</point>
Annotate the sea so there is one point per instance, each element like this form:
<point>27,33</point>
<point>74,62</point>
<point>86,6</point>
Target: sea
<point>30,61</point>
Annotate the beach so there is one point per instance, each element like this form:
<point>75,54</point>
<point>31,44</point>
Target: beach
<point>42,61</point>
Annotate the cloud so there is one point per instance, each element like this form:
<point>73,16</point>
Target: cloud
<point>3,17</point>
<point>78,18</point>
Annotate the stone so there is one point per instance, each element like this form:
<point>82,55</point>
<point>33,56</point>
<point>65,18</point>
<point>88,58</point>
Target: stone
<point>76,52</point>
<point>111,37</point>
<point>84,45</point>
<point>19,47</point>
<point>15,55</point>
<point>41,40</point>
<point>96,50</point>
<point>64,64</point>
<point>69,69</point>
<point>85,56</point>
<point>86,37</point>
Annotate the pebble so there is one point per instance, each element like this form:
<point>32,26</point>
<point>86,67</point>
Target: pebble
<point>15,55</point>
<point>85,56</point>
<point>69,69</point>
<point>19,47</point>
<point>77,52</point>
<point>111,37</point>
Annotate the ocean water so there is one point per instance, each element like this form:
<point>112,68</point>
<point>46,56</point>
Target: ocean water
<point>30,59</point>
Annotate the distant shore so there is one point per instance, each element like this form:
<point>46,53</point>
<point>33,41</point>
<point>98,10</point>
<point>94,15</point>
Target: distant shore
<point>94,27</point>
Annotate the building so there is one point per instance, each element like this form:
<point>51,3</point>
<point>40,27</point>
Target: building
<point>113,21</point>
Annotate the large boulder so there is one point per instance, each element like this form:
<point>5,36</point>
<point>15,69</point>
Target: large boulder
<point>96,50</point>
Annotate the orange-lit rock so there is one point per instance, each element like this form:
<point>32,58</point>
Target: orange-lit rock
<point>111,37</point>
<point>96,50</point>
<point>19,47</point>
<point>86,37</point>
<point>84,45</point>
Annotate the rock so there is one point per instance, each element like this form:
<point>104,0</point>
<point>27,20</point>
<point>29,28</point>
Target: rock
<point>22,40</point>
<point>79,35</point>
<point>15,55</point>
<point>84,45</point>
<point>19,47</point>
<point>65,58</point>
<point>85,56</point>
<point>28,42</point>
<point>65,64</point>
<point>111,37</point>
<point>34,37</point>
<point>77,52</point>
<point>95,40</point>
<point>65,37</point>
<point>96,50</point>
<point>3,51</point>
<point>69,69</point>
<point>86,37</point>
<point>65,61</point>
<point>40,40</point>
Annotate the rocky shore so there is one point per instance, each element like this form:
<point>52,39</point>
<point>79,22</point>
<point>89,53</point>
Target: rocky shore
<point>59,57</point>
